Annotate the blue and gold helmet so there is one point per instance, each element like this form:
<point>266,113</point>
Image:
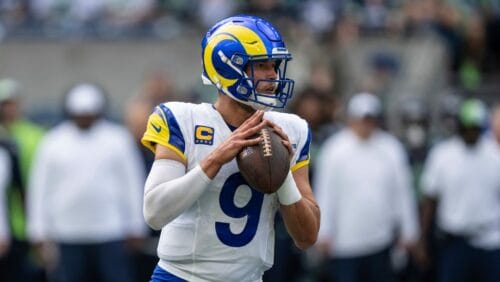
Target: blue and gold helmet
<point>236,43</point>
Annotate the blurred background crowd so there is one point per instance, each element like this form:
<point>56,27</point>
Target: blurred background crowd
<point>423,60</point>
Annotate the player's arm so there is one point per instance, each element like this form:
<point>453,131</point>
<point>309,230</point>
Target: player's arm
<point>299,208</point>
<point>169,189</point>
<point>302,217</point>
<point>165,191</point>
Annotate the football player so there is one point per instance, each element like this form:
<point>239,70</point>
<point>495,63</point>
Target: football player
<point>214,227</point>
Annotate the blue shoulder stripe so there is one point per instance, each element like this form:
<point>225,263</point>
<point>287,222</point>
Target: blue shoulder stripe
<point>304,153</point>
<point>176,138</point>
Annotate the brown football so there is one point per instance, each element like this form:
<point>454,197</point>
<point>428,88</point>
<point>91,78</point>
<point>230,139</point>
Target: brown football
<point>265,165</point>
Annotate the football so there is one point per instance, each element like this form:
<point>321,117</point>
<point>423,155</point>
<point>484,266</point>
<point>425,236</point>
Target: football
<point>265,165</point>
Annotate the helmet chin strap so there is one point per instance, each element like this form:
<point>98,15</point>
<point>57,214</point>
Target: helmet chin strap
<point>262,107</point>
<point>268,101</point>
<point>254,105</point>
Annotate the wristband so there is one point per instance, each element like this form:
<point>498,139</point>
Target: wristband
<point>289,192</point>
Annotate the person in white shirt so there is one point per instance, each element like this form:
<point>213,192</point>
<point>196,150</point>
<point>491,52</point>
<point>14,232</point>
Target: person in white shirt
<point>85,193</point>
<point>461,185</point>
<point>363,186</point>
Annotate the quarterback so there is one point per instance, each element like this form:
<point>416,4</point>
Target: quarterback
<point>214,227</point>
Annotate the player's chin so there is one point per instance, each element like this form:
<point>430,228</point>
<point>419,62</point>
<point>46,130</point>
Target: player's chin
<point>267,91</point>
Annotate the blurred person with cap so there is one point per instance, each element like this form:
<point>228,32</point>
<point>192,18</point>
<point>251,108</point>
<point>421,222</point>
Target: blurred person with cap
<point>415,128</point>
<point>26,133</point>
<point>20,137</point>
<point>158,87</point>
<point>415,122</point>
<point>85,193</point>
<point>363,185</point>
<point>448,106</point>
<point>461,185</point>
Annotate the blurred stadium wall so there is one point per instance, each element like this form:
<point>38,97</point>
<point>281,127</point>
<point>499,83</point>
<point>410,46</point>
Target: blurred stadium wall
<point>47,67</point>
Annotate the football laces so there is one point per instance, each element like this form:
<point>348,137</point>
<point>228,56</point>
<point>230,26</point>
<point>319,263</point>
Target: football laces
<point>266,143</point>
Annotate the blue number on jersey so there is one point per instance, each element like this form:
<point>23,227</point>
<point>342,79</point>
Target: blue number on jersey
<point>251,210</point>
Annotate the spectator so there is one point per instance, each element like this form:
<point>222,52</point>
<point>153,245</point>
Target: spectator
<point>364,192</point>
<point>448,108</point>
<point>211,11</point>
<point>461,184</point>
<point>320,15</point>
<point>415,120</point>
<point>158,88</point>
<point>84,195</point>
<point>127,14</point>
<point>317,108</point>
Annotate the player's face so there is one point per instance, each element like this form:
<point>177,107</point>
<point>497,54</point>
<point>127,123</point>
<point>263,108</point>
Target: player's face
<point>262,72</point>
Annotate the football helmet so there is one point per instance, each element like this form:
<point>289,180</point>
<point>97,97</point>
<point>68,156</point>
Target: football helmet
<point>229,50</point>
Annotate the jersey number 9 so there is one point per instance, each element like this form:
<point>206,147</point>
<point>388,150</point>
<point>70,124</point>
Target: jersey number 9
<point>251,210</point>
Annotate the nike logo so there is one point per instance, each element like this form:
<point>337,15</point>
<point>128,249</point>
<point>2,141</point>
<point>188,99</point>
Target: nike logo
<point>157,128</point>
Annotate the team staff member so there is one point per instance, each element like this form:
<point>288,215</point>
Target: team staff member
<point>85,193</point>
<point>214,226</point>
<point>461,183</point>
<point>363,185</point>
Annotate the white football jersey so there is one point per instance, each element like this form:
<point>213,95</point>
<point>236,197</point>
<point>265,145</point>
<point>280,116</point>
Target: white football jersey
<point>228,233</point>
